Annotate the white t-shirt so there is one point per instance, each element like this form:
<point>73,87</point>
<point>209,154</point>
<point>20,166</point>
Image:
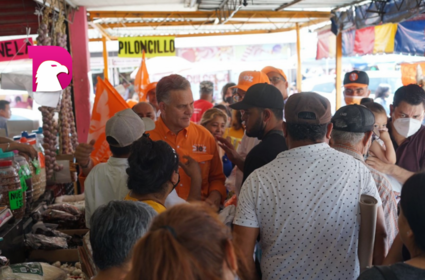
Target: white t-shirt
<point>306,204</point>
<point>108,181</point>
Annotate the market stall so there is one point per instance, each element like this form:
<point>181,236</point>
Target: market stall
<point>41,215</point>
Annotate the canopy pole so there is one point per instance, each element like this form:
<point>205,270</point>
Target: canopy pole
<point>338,70</point>
<point>299,75</point>
<point>105,59</point>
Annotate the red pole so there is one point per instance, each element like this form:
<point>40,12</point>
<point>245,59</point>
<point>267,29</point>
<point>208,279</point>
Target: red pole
<point>79,40</point>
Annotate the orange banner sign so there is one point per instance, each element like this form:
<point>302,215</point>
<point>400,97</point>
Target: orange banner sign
<point>142,80</point>
<point>106,104</point>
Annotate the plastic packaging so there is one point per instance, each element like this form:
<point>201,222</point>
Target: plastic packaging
<point>37,135</point>
<point>32,271</point>
<point>11,193</point>
<point>39,241</point>
<point>25,177</point>
<point>38,185</point>
<point>65,208</point>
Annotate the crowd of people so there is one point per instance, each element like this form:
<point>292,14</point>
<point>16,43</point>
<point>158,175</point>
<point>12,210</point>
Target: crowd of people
<point>284,171</point>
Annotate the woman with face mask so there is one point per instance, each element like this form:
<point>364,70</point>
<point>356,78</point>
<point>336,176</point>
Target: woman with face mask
<point>153,173</point>
<point>227,94</point>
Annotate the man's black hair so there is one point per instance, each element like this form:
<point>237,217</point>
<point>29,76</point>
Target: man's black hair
<point>3,104</point>
<point>411,94</point>
<point>118,151</point>
<point>307,132</point>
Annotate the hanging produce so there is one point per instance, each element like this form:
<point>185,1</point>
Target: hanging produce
<point>50,127</point>
<point>68,134</point>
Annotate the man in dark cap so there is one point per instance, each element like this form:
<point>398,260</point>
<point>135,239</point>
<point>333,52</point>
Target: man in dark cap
<point>305,203</point>
<point>352,135</point>
<point>356,87</point>
<point>263,114</point>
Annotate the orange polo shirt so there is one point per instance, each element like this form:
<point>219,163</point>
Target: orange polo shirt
<point>198,143</point>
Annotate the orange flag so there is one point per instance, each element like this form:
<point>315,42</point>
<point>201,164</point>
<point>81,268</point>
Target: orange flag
<point>106,104</point>
<point>142,80</point>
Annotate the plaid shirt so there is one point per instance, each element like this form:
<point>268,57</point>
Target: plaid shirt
<point>389,203</point>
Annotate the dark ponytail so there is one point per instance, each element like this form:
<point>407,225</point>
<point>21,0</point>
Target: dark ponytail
<point>413,207</point>
<point>151,165</point>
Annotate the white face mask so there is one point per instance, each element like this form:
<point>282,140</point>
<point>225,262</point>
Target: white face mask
<point>406,127</point>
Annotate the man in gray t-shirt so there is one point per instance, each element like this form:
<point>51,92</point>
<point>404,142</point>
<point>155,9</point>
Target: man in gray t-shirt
<point>5,114</point>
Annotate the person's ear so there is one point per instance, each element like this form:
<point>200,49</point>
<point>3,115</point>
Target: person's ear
<point>368,92</point>
<point>366,139</point>
<point>284,129</point>
<point>231,257</point>
<point>286,84</point>
<point>162,106</point>
<point>267,114</point>
<point>391,109</point>
<point>175,177</point>
<point>329,132</point>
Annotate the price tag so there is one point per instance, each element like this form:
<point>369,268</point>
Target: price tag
<point>16,200</point>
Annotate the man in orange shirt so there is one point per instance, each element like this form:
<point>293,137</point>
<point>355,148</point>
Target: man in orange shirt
<point>175,101</point>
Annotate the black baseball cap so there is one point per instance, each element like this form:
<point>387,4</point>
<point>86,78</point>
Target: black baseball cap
<point>356,78</point>
<point>260,96</point>
<point>353,118</point>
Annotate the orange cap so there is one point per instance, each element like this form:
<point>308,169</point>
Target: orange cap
<point>151,86</point>
<point>269,69</point>
<point>250,78</point>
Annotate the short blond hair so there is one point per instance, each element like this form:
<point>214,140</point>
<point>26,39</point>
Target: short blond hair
<point>210,115</point>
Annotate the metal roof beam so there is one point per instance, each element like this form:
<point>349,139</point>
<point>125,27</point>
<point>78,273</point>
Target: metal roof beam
<point>209,14</point>
<point>101,30</point>
<point>221,33</point>
<point>176,23</point>
<point>286,5</point>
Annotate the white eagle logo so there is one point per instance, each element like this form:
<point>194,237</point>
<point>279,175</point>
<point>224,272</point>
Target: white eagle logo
<point>47,76</point>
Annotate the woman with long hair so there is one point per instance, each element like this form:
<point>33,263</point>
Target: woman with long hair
<point>187,242</point>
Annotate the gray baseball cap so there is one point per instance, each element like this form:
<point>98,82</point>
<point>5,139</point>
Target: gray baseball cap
<point>126,127</point>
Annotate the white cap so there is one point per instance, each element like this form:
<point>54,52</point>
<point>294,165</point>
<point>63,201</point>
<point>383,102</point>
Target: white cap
<point>126,127</point>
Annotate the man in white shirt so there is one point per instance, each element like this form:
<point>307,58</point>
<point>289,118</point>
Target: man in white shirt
<point>108,181</point>
<point>352,134</point>
<point>305,203</point>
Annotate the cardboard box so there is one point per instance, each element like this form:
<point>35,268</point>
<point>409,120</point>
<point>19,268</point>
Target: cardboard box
<point>62,255</point>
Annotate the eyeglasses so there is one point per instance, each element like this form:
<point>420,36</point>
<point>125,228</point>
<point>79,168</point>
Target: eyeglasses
<point>275,80</point>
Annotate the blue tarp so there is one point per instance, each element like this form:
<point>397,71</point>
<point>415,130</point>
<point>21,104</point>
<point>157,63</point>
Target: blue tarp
<point>410,38</point>
<point>348,42</point>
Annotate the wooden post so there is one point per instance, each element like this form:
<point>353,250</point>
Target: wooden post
<point>299,75</point>
<point>105,59</point>
<point>338,71</point>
